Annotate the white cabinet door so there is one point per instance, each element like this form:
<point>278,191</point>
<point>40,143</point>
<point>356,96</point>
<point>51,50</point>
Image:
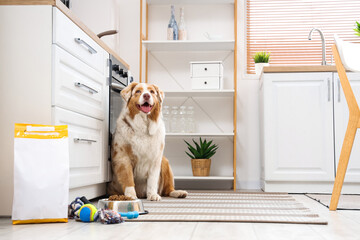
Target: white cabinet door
<point>298,127</point>
<point>86,147</point>
<point>341,117</point>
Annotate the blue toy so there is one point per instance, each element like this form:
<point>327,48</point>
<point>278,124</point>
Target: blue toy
<point>129,215</point>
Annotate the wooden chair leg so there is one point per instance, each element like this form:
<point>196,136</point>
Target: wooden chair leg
<point>343,163</point>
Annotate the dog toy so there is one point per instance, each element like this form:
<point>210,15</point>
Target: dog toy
<point>74,207</point>
<point>129,215</point>
<point>110,217</point>
<point>88,213</point>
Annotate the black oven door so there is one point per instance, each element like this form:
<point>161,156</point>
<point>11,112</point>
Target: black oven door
<point>115,104</point>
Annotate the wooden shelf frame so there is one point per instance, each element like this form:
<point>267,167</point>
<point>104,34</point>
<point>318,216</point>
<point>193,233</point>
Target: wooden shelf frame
<point>146,39</point>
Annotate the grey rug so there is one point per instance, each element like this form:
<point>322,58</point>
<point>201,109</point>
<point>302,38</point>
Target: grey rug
<point>346,201</point>
<point>230,207</point>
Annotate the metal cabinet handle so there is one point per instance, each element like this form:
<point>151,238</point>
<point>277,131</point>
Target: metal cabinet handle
<point>91,90</point>
<point>90,49</point>
<point>84,140</point>
<point>338,85</point>
<point>329,90</point>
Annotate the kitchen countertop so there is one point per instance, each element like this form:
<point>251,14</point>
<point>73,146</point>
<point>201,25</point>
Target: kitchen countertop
<point>71,16</point>
<point>292,68</point>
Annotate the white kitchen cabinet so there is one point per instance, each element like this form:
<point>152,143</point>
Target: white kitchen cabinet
<point>297,128</point>
<point>40,66</point>
<point>303,122</point>
<point>341,118</point>
<point>86,147</point>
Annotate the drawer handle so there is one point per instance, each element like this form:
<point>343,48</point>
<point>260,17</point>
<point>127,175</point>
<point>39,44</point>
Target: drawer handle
<point>84,140</point>
<point>90,49</point>
<point>205,69</point>
<point>205,82</point>
<point>91,90</point>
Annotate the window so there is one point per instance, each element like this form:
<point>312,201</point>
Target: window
<point>281,27</point>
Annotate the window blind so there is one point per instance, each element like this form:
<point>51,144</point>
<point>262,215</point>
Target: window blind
<point>281,27</point>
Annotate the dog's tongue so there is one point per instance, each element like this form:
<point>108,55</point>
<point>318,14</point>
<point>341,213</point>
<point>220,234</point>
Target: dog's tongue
<point>145,108</point>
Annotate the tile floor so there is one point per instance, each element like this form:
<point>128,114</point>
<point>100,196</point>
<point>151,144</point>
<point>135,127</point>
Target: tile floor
<point>343,225</point>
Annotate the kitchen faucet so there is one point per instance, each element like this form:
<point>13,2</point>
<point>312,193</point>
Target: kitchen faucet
<point>323,62</point>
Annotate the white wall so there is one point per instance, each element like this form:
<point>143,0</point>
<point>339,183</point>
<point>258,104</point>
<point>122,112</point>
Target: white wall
<point>120,15</point>
<point>124,15</point>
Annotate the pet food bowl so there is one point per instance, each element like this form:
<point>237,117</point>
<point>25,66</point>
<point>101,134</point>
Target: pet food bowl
<point>122,206</point>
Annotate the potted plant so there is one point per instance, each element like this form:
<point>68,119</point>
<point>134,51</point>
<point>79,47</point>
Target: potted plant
<point>357,28</point>
<point>261,59</point>
<point>200,155</point>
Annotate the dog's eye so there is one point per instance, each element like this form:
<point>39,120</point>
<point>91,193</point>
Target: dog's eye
<point>138,91</point>
<point>152,91</point>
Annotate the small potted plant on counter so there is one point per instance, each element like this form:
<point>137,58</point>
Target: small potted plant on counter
<point>200,155</point>
<point>261,59</point>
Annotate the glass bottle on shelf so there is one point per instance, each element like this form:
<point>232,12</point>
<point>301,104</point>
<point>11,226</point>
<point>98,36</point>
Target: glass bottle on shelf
<point>166,118</point>
<point>172,30</point>
<point>191,126</point>
<point>182,27</point>
<point>182,119</point>
<point>174,119</point>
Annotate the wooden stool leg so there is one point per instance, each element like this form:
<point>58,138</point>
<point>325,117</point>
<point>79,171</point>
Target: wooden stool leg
<point>343,163</point>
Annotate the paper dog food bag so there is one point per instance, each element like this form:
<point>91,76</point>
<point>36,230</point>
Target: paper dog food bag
<point>41,174</point>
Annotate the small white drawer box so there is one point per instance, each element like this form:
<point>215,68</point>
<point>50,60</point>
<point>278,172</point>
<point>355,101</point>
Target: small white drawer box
<point>206,75</point>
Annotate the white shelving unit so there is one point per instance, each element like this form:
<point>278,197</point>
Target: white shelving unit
<point>230,178</point>
<point>179,46</point>
<point>199,134</point>
<point>177,2</point>
<point>162,48</point>
<point>208,93</point>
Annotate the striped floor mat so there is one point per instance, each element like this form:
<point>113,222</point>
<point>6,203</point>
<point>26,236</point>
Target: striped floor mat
<point>230,207</point>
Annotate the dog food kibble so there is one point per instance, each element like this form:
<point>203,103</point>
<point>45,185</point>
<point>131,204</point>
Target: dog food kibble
<point>119,198</point>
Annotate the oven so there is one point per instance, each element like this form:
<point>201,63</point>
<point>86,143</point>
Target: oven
<point>119,78</point>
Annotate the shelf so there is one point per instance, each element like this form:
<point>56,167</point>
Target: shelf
<point>203,178</point>
<point>177,2</point>
<point>200,93</point>
<point>186,45</point>
<point>199,134</point>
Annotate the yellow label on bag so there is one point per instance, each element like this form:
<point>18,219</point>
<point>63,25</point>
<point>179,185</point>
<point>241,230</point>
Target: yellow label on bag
<point>40,131</point>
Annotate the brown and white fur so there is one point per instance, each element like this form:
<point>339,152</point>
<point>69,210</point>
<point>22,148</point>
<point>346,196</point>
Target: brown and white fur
<point>138,164</point>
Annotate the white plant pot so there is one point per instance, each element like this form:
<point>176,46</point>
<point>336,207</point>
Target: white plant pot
<point>259,67</point>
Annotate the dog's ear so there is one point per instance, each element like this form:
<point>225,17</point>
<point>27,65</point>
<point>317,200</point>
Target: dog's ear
<point>159,93</point>
<point>126,92</point>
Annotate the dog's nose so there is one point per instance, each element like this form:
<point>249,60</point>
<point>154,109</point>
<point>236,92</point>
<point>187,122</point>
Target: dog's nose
<point>146,96</point>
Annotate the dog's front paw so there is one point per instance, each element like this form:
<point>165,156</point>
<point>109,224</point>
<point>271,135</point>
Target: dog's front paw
<point>153,197</point>
<point>130,192</point>
<point>178,194</point>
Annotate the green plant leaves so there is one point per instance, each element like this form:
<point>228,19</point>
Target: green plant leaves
<point>261,57</point>
<point>201,150</point>
<point>357,29</point>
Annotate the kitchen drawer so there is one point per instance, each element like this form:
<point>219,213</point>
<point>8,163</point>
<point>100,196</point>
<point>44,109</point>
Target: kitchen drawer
<point>206,69</point>
<point>205,83</point>
<point>70,37</point>
<point>76,86</point>
<point>85,146</point>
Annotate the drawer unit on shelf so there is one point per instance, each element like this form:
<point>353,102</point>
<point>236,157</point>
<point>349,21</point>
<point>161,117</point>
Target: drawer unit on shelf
<point>205,83</point>
<point>70,37</point>
<point>206,75</point>
<point>77,86</point>
<point>86,144</point>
